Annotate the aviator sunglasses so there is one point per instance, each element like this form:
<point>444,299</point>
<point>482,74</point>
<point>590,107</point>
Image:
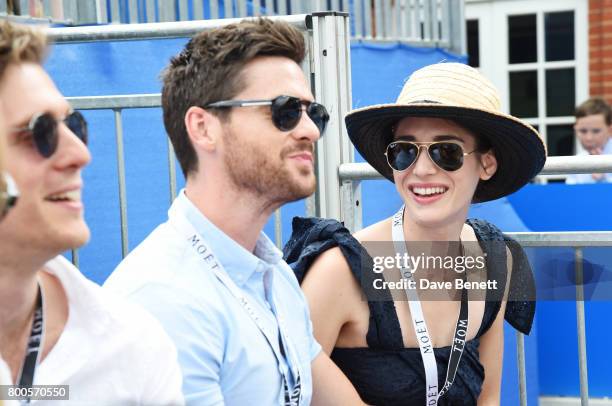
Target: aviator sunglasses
<point>448,156</point>
<point>44,130</point>
<point>286,111</point>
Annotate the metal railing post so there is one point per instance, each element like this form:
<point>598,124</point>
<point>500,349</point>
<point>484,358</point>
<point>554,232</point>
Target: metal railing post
<point>75,257</point>
<point>214,9</point>
<point>133,11</point>
<point>115,15</point>
<point>227,9</point>
<point>151,11</point>
<point>416,21</point>
<point>183,10</point>
<point>388,28</point>
<point>368,20</point>
<point>427,17</point>
<point>256,7</point>
<point>378,20</point>
<point>357,13</point>
<point>457,40</point>
<point>121,178</point>
<point>198,10</point>
<point>520,361</point>
<point>278,229</point>
<point>332,78</point>
<point>580,328</point>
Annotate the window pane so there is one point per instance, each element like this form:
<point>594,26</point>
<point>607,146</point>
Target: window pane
<point>560,92</point>
<point>559,32</point>
<point>524,94</point>
<point>473,43</point>
<point>560,140</point>
<point>522,40</point>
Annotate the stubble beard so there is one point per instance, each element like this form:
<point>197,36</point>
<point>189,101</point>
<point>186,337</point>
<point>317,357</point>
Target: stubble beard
<point>254,170</point>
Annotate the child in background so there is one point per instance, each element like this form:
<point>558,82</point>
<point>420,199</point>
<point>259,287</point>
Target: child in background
<point>593,129</point>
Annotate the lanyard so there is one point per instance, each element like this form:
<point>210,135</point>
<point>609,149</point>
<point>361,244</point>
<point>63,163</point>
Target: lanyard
<point>28,369</point>
<point>291,395</point>
<point>420,326</point>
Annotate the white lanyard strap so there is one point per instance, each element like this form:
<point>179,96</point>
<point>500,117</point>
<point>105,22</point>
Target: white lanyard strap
<point>292,396</point>
<point>420,326</point>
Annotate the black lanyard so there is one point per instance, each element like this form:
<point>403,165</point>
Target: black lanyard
<point>28,369</point>
<point>458,344</point>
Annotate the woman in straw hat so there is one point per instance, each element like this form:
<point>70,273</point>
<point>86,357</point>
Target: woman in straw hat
<point>445,144</point>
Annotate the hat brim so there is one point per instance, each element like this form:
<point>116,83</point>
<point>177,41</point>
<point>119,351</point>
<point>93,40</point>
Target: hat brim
<point>519,150</point>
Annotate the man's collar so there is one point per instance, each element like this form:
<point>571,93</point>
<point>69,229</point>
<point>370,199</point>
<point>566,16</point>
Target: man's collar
<point>239,263</point>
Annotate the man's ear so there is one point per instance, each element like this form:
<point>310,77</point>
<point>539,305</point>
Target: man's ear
<point>203,128</point>
<point>488,165</point>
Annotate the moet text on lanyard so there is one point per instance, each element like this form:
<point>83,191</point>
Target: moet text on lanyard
<point>33,350</point>
<point>420,326</point>
<point>292,395</point>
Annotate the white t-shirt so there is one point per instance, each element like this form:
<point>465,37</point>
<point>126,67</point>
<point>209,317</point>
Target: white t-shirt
<point>5,379</point>
<point>111,352</point>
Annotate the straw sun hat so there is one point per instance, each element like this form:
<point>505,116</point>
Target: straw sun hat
<point>460,93</point>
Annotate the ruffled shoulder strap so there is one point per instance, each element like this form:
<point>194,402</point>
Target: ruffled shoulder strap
<point>310,238</point>
<point>520,308</point>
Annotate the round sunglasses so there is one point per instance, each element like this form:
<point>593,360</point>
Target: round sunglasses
<point>44,130</point>
<point>446,155</point>
<point>286,111</point>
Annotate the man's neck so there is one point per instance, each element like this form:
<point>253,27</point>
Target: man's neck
<point>18,293</point>
<point>18,290</point>
<point>240,215</point>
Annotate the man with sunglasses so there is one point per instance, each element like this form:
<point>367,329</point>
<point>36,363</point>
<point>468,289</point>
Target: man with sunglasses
<point>57,327</point>
<point>243,123</point>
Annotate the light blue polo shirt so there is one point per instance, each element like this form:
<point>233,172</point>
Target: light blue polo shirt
<point>224,357</point>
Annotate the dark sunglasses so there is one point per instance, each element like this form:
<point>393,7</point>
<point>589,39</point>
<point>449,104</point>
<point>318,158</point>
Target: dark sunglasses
<point>286,111</point>
<point>43,128</point>
<point>448,156</point>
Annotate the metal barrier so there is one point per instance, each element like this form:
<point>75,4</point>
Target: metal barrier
<point>338,192</point>
<point>327,61</point>
<point>579,241</point>
<point>351,174</point>
<point>421,22</point>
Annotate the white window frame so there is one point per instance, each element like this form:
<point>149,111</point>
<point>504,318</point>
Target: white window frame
<point>492,16</point>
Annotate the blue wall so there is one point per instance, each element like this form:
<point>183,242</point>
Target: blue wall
<point>571,208</point>
<point>378,73</point>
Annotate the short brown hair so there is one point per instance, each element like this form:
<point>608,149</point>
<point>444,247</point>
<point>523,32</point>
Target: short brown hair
<point>209,69</point>
<point>20,43</point>
<point>595,105</point>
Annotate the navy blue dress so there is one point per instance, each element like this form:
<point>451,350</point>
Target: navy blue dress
<point>385,372</point>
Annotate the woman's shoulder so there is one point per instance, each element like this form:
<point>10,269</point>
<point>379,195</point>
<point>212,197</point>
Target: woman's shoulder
<point>485,230</point>
<point>325,244</point>
<point>507,263</point>
<point>380,231</point>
